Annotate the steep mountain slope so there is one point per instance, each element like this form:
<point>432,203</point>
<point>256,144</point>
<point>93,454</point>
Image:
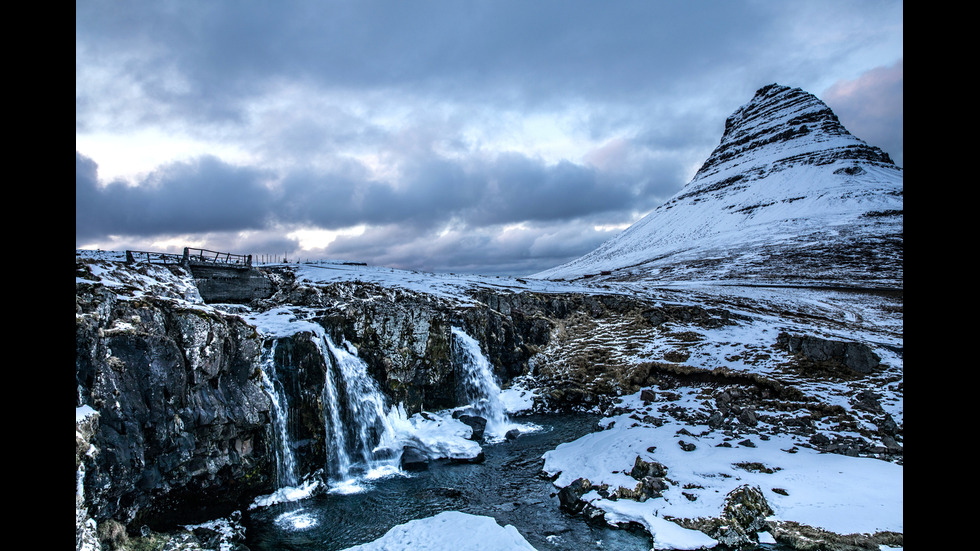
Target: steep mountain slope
<point>789,196</point>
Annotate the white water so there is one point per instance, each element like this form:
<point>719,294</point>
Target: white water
<point>285,459</point>
<point>360,429</point>
<point>364,435</point>
<point>480,385</point>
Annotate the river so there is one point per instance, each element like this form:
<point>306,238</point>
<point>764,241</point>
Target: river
<point>506,486</point>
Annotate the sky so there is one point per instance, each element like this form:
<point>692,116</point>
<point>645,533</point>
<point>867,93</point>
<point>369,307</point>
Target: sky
<point>497,137</point>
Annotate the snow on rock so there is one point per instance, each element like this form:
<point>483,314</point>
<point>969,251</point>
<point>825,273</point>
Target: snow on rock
<point>449,531</point>
<point>837,493</point>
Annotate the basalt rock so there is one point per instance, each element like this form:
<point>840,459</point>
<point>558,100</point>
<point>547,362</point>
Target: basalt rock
<point>182,417</point>
<point>846,357</point>
<point>570,497</point>
<point>743,516</point>
<point>475,422</point>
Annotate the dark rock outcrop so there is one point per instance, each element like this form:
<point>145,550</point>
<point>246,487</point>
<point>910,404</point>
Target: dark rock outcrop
<point>834,355</point>
<point>182,418</point>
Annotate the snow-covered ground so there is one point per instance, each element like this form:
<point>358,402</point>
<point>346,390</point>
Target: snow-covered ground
<point>449,531</point>
<point>834,492</point>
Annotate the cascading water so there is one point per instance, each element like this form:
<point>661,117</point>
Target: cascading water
<point>480,386</point>
<point>359,426</point>
<point>285,459</point>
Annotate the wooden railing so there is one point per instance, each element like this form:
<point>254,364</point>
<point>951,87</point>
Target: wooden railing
<point>214,257</point>
<point>191,255</point>
<point>152,257</point>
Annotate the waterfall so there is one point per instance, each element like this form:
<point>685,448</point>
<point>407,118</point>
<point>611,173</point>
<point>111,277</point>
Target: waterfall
<point>480,386</point>
<point>361,438</point>
<point>285,459</point>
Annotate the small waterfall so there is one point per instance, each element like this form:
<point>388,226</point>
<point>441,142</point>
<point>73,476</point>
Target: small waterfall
<point>480,385</point>
<point>285,459</point>
<point>359,426</point>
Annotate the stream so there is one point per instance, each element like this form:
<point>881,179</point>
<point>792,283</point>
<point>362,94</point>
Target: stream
<point>506,486</point>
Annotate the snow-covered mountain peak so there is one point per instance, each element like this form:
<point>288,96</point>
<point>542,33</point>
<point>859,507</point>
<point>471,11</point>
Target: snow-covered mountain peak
<point>788,196</point>
<point>782,125</point>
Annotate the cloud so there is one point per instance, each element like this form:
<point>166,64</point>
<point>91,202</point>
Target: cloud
<point>486,135</point>
<point>872,107</point>
<point>198,196</point>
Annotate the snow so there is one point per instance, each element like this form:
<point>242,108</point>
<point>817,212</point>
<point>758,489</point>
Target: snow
<point>83,412</point>
<point>449,531</point>
<point>838,493</point>
<point>712,244</point>
<point>287,494</point>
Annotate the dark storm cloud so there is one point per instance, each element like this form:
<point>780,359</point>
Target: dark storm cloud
<point>200,60</point>
<point>204,195</point>
<point>208,195</point>
<point>508,188</point>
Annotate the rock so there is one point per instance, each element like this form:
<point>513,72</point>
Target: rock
<point>570,497</point>
<point>748,417</point>
<point>648,395</point>
<point>642,469</point>
<point>686,446</point>
<point>512,434</point>
<point>743,516</point>
<point>475,422</point>
<point>868,401</point>
<point>851,356</point>
<point>479,458</point>
<point>819,439</point>
<point>723,401</point>
<point>594,515</point>
<point>414,459</point>
<point>651,487</point>
<point>888,425</point>
<point>716,420</point>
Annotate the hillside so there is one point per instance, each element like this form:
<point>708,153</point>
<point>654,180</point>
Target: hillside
<point>789,196</point>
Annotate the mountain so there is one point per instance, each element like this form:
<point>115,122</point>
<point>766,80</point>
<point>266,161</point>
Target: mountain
<point>789,196</point>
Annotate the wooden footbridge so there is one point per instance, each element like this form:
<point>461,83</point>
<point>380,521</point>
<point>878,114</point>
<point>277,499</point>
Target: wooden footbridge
<point>220,277</point>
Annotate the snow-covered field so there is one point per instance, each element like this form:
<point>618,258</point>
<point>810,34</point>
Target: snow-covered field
<point>830,491</point>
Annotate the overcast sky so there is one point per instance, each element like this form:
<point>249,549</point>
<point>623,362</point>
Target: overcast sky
<point>494,137</point>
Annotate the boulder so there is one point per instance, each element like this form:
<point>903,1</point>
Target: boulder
<point>414,459</point>
<point>570,497</point>
<point>643,469</point>
<point>851,356</point>
<point>475,422</point>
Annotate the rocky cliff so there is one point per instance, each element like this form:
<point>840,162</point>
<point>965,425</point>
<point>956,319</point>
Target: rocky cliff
<point>181,419</point>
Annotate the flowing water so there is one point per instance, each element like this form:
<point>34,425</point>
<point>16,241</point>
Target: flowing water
<point>506,486</point>
<point>480,386</point>
<point>358,420</point>
<point>285,459</point>
<point>368,494</point>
